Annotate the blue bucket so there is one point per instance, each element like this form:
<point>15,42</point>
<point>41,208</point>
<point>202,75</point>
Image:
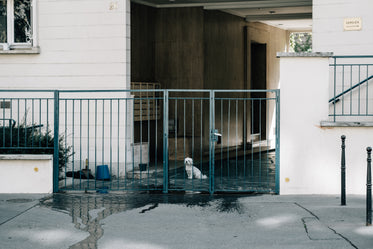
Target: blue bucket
<point>102,173</point>
<point>142,166</point>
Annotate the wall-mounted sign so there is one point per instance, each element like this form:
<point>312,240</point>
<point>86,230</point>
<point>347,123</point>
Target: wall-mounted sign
<point>352,24</point>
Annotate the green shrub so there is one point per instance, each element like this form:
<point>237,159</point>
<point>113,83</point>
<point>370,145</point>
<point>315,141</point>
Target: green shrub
<point>32,140</point>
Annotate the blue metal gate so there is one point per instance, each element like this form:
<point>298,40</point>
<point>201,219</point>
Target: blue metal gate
<point>232,137</point>
<point>115,140</point>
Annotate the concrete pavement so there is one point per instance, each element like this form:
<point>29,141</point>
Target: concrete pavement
<point>184,220</point>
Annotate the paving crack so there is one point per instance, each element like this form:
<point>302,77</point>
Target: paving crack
<point>150,208</point>
<point>346,239</point>
<point>319,227</point>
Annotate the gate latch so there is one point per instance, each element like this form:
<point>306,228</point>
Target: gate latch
<point>215,136</point>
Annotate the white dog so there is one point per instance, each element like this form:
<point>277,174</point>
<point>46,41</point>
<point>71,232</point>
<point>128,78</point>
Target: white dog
<point>191,170</point>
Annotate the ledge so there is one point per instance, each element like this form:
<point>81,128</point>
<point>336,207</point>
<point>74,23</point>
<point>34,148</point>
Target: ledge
<point>303,54</point>
<point>345,124</point>
<point>31,50</point>
<point>26,157</point>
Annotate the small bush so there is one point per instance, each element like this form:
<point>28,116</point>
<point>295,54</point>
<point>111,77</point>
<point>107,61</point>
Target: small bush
<point>32,140</point>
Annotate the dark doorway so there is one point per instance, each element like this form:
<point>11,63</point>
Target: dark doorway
<point>259,82</point>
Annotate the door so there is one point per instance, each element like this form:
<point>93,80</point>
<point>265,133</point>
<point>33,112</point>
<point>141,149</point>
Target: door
<point>259,82</point>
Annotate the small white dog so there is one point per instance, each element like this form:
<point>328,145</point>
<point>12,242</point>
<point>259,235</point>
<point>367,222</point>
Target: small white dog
<point>192,171</point>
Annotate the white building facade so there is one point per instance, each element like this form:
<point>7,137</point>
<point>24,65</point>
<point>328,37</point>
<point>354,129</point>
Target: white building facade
<point>86,45</point>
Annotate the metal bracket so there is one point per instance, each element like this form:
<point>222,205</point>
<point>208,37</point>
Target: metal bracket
<point>215,136</point>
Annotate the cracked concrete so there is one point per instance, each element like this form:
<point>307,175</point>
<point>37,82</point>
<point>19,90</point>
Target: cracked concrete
<point>142,220</point>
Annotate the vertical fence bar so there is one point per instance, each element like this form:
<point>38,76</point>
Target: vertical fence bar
<point>244,137</point>
<point>25,124</point>
<point>228,135</point>
<point>343,84</point>
<point>18,135</point>
<point>118,145</point>
<point>156,140</point>
<point>87,163</point>
<point>212,142</point>
<point>95,141</point>
<point>32,122</point>
<point>39,121</point>
<point>252,142</point>
<point>359,98</point>
<point>260,140</point>
<point>111,143</point>
<point>47,103</point>
<point>222,140</point>
<point>80,142</point>
<point>236,140</point>
<point>56,141</point>
<point>175,134</point>
<point>343,172</point>
<point>148,140</point>
<point>351,69</point>
<point>184,138</point>
<point>335,85</point>
<point>192,128</point>
<point>73,141</point>
<point>65,158</point>
<point>201,138</point>
<point>4,144</point>
<point>369,189</point>
<point>367,93</point>
<point>125,137</point>
<point>103,132</point>
<point>11,125</point>
<point>165,142</point>
<point>133,132</point>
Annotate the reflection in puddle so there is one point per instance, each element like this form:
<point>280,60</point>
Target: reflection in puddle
<point>88,210</point>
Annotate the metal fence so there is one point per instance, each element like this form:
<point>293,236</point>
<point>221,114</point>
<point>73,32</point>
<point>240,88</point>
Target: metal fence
<point>350,92</point>
<point>138,139</point>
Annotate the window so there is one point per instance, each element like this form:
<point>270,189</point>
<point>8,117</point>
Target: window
<point>301,42</point>
<point>16,24</point>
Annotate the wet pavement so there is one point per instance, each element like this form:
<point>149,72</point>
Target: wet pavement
<point>182,220</point>
<point>255,173</point>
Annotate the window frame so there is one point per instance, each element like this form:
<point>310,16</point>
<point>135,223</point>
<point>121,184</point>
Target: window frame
<point>10,44</point>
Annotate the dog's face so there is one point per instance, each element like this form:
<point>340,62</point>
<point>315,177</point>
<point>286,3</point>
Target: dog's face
<point>188,161</point>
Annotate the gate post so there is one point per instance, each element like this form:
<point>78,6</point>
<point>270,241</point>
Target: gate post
<point>56,141</point>
<point>212,142</point>
<point>343,172</point>
<point>277,168</point>
<point>165,142</point>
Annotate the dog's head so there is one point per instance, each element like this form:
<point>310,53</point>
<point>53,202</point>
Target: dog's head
<point>188,161</point>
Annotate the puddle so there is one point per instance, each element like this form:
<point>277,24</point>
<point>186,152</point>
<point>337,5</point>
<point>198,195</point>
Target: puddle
<point>88,210</point>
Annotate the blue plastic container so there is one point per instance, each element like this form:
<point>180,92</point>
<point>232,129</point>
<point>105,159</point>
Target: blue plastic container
<point>102,173</point>
<point>142,166</point>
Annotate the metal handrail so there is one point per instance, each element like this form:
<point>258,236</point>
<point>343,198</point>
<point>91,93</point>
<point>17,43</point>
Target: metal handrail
<point>336,98</point>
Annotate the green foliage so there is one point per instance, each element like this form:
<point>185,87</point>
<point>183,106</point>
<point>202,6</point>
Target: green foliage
<point>301,42</point>
<point>32,140</point>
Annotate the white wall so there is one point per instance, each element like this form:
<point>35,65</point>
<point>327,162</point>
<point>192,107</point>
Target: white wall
<point>26,174</point>
<point>310,154</point>
<point>328,33</point>
<point>84,44</point>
